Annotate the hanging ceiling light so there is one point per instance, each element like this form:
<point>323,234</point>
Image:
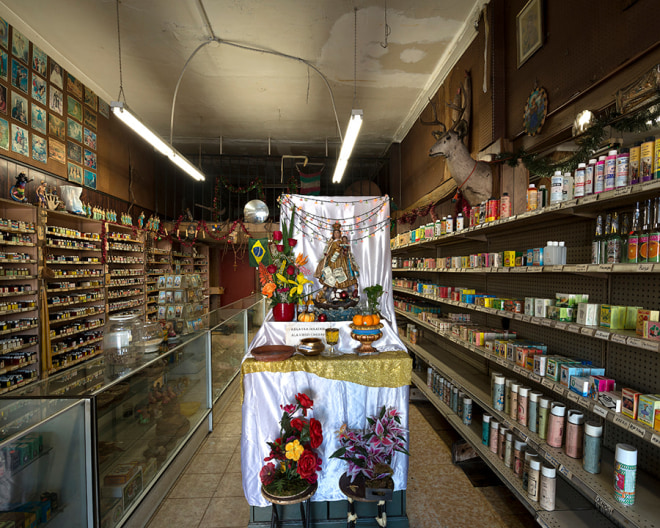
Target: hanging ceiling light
<point>355,122</point>
<point>120,110</point>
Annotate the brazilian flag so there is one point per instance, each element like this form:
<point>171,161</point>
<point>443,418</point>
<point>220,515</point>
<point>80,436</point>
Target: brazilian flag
<point>259,253</point>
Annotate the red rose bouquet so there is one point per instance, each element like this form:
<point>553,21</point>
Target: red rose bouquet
<point>293,464</point>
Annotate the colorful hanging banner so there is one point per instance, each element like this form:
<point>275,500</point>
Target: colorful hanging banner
<point>258,250</point>
<point>310,184</point>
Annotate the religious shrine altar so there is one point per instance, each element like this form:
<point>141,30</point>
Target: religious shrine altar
<point>346,387</point>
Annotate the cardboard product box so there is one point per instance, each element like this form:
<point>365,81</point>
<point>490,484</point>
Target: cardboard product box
<point>598,384</point>
<point>540,364</point>
<point>567,371</point>
<point>537,257</point>
<point>631,317</point>
<point>652,330</point>
<point>605,315</point>
<point>120,474</point>
<point>580,385</point>
<point>509,259</point>
<point>648,405</point>
<point>618,317</point>
<point>514,305</point>
<point>645,315</point>
<point>529,257</point>
<point>588,314</point>
<point>612,400</point>
<point>552,312</point>
<point>541,305</point>
<point>656,422</point>
<point>128,491</point>
<point>630,402</point>
<point>529,305</point>
<point>553,369</point>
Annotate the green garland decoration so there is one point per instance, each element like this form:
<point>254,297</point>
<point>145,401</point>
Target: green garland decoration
<point>254,184</point>
<point>588,142</point>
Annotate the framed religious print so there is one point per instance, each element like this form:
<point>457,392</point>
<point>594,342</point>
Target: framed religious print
<point>3,98</point>
<point>39,60</point>
<point>38,118</point>
<point>56,101</point>
<point>4,33</point>
<point>90,119</point>
<point>4,68</point>
<point>90,159</point>
<point>104,108</point>
<point>4,134</point>
<point>74,108</point>
<point>91,99</point>
<point>56,127</point>
<point>20,46</point>
<point>20,140</point>
<point>39,152</point>
<point>74,86</point>
<point>56,75</point>
<point>19,108</point>
<point>89,138</point>
<point>90,179</point>
<point>529,30</point>
<point>74,173</point>
<point>74,151</point>
<point>56,151</point>
<point>19,76</point>
<point>74,129</point>
<point>39,89</point>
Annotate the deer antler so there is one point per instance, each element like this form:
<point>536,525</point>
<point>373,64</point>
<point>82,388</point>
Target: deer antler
<point>434,109</point>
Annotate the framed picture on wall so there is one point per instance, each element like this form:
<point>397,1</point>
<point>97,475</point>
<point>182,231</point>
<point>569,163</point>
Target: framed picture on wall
<point>74,173</point>
<point>74,129</point>
<point>20,46</point>
<point>56,74</point>
<point>74,108</point>
<point>39,89</point>
<point>56,101</point>
<point>90,159</point>
<point>74,86</point>
<point>39,149</point>
<point>90,119</point>
<point>20,140</point>
<point>4,134</point>
<point>19,76</point>
<point>104,108</point>
<point>4,69</point>
<point>74,151</point>
<point>90,179</point>
<point>19,108</point>
<point>3,99</point>
<point>4,33</point>
<point>56,127</point>
<point>91,99</point>
<point>89,138</point>
<point>56,151</point>
<point>39,60</point>
<point>529,30</point>
<point>39,118</point>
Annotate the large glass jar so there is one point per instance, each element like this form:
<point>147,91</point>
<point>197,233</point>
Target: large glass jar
<point>152,337</point>
<point>122,339</point>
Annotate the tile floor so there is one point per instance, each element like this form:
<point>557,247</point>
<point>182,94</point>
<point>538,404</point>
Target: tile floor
<point>209,493</point>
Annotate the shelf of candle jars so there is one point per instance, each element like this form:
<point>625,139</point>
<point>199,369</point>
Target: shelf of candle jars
<point>32,324</point>
<point>598,269</point>
<point>16,294</point>
<point>571,509</point>
<point>56,351</point>
<point>69,234</point>
<point>18,385</point>
<point>26,230</point>
<point>17,277</point>
<point>597,488</point>
<point>23,364</point>
<point>65,363</point>
<point>65,317</point>
<point>118,294</point>
<point>19,309</point>
<point>556,213</point>
<point>19,345</point>
<point>124,272</point>
<point>4,259</point>
<point>63,247</point>
<point>125,305</point>
<point>643,431</point>
<point>136,281</point>
<point>622,337</point>
<point>90,261</point>
<point>91,286</point>
<point>75,330</point>
<point>12,243</point>
<point>54,305</point>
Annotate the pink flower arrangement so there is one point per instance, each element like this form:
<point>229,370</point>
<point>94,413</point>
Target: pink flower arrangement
<point>293,463</point>
<point>369,452</point>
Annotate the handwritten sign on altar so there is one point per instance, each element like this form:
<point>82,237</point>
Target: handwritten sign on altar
<point>294,332</point>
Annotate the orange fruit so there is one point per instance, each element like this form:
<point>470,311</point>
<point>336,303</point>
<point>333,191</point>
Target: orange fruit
<point>376,318</point>
<point>368,320</point>
<point>357,320</point>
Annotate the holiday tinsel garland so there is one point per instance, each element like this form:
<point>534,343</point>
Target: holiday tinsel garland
<point>588,142</point>
<point>254,184</point>
<point>204,228</point>
<point>411,216</point>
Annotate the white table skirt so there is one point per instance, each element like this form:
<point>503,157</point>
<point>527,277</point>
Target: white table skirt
<point>335,403</point>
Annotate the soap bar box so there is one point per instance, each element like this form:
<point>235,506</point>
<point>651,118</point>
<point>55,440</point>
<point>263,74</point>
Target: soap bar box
<point>611,400</point>
<point>630,402</point>
<point>648,405</point>
<point>645,315</point>
<point>598,384</point>
<point>580,385</point>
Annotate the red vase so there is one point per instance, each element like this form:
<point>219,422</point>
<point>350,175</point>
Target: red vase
<point>284,312</point>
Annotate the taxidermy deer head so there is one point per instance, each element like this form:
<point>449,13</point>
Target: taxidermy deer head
<point>473,178</point>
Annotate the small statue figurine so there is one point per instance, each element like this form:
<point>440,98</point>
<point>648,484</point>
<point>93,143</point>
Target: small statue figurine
<point>41,191</point>
<point>337,269</point>
<point>141,220</point>
<point>17,190</point>
<point>156,223</point>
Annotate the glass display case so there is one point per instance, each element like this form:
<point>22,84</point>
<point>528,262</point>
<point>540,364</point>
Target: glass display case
<point>136,418</point>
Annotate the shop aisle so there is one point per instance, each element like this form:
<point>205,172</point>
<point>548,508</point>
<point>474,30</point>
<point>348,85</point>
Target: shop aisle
<point>209,493</point>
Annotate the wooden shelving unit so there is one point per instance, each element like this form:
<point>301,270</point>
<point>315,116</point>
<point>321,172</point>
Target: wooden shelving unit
<point>125,260</point>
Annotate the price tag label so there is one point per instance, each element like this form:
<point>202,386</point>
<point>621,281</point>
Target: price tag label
<point>649,345</point>
<point>518,316</point>
<point>600,411</point>
<point>501,361</point>
<point>636,429</point>
<point>584,331</point>
<point>581,268</point>
<point>560,326</point>
<point>623,191</point>
<point>634,341</point>
<point>551,459</point>
<point>518,369</point>
<point>600,334</point>
<point>557,268</point>
<point>520,269</point>
<point>645,267</point>
<point>535,269</point>
<point>503,270</point>
<point>554,207</point>
<point>535,377</point>
<point>603,506</point>
<point>618,338</point>
<point>522,435</point>
<point>655,439</point>
<point>565,471</point>
<point>546,322</point>
<point>548,383</point>
<point>589,199</point>
<point>573,397</point>
<point>605,267</point>
<point>621,421</point>
<point>526,318</point>
<point>508,315</point>
<point>571,203</point>
<point>512,218</point>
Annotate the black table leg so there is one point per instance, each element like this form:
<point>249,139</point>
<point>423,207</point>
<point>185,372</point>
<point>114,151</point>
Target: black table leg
<point>351,518</point>
<point>274,518</point>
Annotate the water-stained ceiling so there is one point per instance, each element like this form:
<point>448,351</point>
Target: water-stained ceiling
<point>247,97</point>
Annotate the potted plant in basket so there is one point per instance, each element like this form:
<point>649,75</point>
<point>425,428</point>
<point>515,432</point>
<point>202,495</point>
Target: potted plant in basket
<point>292,466</point>
<point>369,452</point>
<point>283,279</point>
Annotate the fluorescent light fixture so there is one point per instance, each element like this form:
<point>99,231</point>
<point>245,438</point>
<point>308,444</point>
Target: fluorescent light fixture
<point>123,113</point>
<point>347,146</point>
